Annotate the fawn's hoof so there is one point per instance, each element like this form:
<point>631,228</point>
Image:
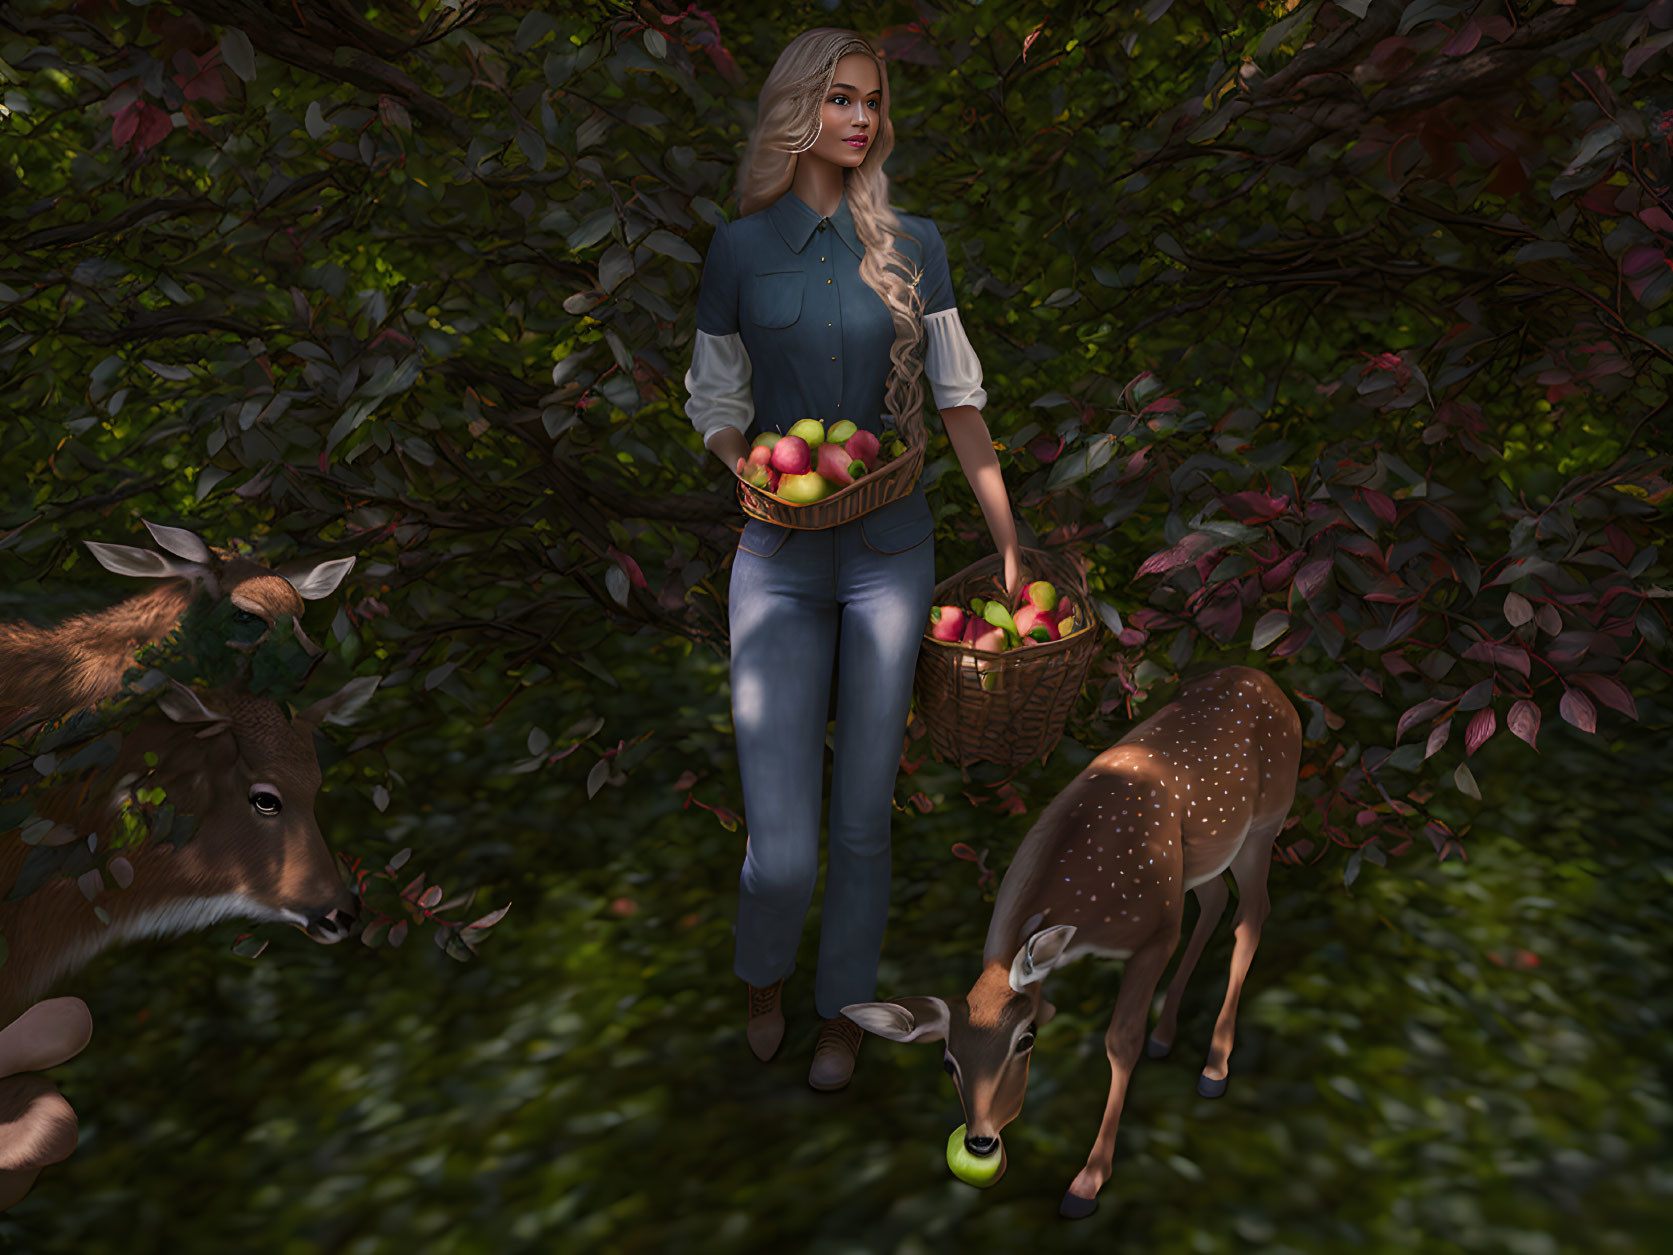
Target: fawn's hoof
<point>1208,1087</point>
<point>1074,1207</point>
<point>1156,1049</point>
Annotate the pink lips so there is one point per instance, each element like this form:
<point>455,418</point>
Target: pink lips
<point>855,141</point>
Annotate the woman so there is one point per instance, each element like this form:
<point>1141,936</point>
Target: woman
<point>816,304</point>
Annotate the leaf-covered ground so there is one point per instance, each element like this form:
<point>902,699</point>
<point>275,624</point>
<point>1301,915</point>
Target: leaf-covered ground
<point>586,1087</point>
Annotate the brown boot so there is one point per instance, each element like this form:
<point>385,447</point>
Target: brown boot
<point>834,1052</point>
<point>766,1020</point>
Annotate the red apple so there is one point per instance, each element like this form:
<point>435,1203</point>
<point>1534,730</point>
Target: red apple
<point>1031,617</point>
<point>791,456</point>
<point>946,622</point>
<point>761,455</point>
<point>862,446</point>
<point>838,466</point>
<point>988,638</point>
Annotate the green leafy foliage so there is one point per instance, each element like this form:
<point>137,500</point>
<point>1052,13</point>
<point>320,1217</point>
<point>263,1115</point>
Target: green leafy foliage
<point>1333,335</point>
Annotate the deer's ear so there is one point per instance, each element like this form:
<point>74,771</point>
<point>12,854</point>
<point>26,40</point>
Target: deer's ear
<point>145,563</point>
<point>908,1019</point>
<point>320,580</point>
<point>1039,954</point>
<point>180,542</point>
<point>183,705</point>
<point>341,706</point>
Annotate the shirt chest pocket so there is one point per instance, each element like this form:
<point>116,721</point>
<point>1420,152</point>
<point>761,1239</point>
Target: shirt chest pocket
<point>774,299</point>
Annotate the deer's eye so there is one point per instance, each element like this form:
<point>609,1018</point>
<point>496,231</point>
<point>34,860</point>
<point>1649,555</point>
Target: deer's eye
<point>948,1066</point>
<point>1025,1043</point>
<point>266,803</point>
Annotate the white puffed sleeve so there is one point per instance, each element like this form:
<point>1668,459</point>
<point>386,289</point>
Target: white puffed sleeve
<point>718,385</point>
<point>950,364</point>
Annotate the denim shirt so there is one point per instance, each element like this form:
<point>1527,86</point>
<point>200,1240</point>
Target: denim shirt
<point>787,282</point>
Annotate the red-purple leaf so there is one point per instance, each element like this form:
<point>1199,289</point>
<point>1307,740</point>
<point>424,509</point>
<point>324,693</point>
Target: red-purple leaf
<point>1437,738</point>
<point>1428,706</point>
<point>1194,546</point>
<point>1549,620</point>
<point>1523,721</point>
<point>1382,505</point>
<point>1312,576</point>
<point>1608,690</point>
<point>1577,709</point>
<point>492,918</point>
<point>1518,609</point>
<point>1464,41</point>
<point>398,933</point>
<point>1499,655</point>
<point>1482,726</point>
<point>628,566</point>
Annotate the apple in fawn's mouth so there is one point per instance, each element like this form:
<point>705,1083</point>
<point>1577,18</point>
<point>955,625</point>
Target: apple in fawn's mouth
<point>978,1170</point>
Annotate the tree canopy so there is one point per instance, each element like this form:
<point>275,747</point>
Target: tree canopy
<point>1331,336</point>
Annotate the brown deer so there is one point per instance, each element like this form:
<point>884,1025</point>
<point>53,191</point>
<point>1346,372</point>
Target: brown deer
<point>1201,786</point>
<point>248,776</point>
<point>49,672</point>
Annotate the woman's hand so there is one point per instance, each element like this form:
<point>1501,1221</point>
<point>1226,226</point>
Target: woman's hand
<point>1013,574</point>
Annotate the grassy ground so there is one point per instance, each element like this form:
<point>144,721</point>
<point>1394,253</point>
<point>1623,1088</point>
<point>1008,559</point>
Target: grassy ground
<point>586,1086</point>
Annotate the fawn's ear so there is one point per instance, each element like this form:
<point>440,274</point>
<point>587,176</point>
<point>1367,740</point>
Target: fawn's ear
<point>1039,954</point>
<point>180,542</point>
<point>144,563</point>
<point>319,580</point>
<point>908,1019</point>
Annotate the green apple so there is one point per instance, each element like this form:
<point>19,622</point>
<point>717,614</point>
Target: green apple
<point>841,431</point>
<point>766,440</point>
<point>810,430</point>
<point>803,489</point>
<point>980,1171</point>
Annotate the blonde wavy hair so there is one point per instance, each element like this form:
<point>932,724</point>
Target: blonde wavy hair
<point>787,124</point>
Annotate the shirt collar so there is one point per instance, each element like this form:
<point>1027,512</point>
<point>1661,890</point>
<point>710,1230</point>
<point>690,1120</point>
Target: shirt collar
<point>796,223</point>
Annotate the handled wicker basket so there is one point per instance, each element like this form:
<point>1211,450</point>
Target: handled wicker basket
<point>1005,708</point>
<point>890,482</point>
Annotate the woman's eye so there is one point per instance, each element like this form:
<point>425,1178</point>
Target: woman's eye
<point>244,616</point>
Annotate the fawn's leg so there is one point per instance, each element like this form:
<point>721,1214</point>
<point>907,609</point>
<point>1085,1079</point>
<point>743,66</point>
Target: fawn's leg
<point>1121,1044</point>
<point>1249,869</point>
<point>1211,902</point>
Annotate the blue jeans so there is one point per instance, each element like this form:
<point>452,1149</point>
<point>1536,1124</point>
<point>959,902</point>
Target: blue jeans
<point>790,591</point>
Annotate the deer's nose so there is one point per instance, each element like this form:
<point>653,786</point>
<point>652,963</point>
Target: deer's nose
<point>331,927</point>
<point>983,1146</point>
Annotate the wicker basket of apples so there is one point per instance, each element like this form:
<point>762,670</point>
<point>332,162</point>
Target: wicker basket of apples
<point>996,682</point>
<point>814,476</point>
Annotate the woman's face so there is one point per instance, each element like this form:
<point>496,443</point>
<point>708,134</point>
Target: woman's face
<point>851,113</point>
